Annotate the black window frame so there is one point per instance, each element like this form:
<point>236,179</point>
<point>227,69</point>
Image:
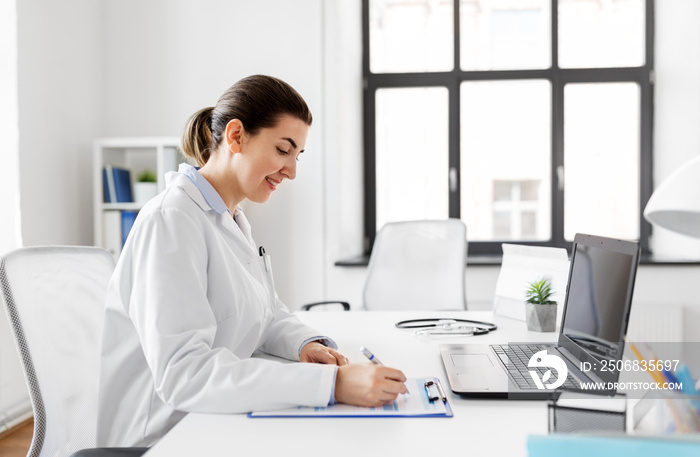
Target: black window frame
<point>558,77</point>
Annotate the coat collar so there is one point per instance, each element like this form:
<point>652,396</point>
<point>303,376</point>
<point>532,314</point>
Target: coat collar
<point>206,197</point>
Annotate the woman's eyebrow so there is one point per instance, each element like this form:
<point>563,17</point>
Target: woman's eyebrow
<point>291,141</point>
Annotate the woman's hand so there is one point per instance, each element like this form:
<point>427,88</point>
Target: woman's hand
<point>368,384</point>
<point>315,352</point>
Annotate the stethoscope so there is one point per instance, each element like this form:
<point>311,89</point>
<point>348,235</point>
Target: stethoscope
<point>451,326</point>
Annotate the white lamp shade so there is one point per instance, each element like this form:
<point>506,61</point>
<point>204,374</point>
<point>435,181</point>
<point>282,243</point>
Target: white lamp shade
<point>675,205</point>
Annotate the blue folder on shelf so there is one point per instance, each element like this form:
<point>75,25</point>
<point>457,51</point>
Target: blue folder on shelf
<point>107,191</point>
<point>419,402</point>
<point>128,218</point>
<point>122,185</point>
<point>116,184</point>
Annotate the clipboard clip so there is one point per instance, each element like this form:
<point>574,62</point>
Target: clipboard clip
<point>434,391</point>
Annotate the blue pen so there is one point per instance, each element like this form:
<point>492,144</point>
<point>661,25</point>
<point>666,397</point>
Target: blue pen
<point>370,356</point>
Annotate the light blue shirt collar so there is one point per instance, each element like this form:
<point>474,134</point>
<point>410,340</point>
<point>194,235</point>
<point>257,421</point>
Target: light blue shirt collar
<point>210,194</point>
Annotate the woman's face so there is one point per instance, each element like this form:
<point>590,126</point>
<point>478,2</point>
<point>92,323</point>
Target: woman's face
<point>270,157</point>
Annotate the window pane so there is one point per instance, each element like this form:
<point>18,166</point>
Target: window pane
<point>597,34</point>
<point>502,191</point>
<point>506,160</point>
<point>601,156</point>
<point>529,224</point>
<point>412,154</point>
<point>411,36</point>
<point>505,34</point>
<point>529,190</point>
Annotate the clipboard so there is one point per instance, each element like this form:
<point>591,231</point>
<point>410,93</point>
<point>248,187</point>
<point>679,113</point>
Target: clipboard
<point>425,398</point>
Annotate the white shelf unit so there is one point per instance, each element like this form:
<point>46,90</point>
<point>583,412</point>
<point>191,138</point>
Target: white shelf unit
<point>157,154</point>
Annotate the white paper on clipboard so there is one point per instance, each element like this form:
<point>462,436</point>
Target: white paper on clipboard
<point>523,264</point>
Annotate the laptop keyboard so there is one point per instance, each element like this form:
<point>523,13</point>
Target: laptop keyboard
<point>515,359</point>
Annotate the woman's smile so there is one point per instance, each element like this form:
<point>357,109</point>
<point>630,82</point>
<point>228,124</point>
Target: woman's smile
<point>272,183</point>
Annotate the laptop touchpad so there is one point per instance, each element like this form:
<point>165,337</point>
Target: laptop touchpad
<point>471,360</point>
<point>473,381</point>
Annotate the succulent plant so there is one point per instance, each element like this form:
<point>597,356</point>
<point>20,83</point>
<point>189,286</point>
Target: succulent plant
<point>539,292</point>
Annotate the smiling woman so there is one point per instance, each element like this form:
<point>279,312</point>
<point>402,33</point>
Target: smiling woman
<point>192,297</point>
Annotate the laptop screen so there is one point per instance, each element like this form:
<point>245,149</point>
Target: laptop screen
<point>599,296</point>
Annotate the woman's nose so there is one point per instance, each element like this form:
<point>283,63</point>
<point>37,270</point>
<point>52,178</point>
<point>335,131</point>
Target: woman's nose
<point>290,169</point>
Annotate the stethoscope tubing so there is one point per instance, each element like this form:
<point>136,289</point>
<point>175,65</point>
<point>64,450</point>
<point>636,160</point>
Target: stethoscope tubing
<point>480,327</point>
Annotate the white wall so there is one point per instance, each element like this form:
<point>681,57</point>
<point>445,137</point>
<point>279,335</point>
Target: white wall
<point>343,148</point>
<point>9,128</point>
<point>59,113</point>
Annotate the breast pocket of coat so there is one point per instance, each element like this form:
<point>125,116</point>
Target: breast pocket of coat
<point>269,284</point>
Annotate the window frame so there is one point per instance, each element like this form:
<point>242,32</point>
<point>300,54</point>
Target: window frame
<point>558,77</point>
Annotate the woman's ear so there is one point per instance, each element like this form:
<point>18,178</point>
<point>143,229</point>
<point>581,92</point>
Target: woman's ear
<point>234,135</point>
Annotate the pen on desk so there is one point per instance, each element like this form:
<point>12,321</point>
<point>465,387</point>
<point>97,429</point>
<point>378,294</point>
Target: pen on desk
<point>370,356</point>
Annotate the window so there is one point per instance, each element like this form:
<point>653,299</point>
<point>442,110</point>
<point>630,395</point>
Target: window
<point>521,117</point>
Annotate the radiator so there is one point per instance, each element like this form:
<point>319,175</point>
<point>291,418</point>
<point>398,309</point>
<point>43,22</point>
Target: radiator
<point>660,323</point>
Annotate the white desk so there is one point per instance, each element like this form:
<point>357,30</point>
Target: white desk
<point>479,427</point>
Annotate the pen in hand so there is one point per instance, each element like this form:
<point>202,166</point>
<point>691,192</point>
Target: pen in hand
<point>370,356</point>
<point>367,353</point>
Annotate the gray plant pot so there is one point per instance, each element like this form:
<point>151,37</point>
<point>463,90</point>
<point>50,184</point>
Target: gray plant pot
<point>541,318</point>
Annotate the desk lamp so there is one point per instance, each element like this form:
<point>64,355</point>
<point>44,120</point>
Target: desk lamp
<point>675,205</point>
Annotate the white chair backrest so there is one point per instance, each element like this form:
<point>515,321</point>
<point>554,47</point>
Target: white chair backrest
<point>418,265</point>
<point>55,298</point>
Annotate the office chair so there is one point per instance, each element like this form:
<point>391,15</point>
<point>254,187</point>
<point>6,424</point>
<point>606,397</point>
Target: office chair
<point>54,297</point>
<point>416,265</point>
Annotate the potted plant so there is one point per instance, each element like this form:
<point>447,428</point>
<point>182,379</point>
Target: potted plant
<point>145,187</point>
<point>540,311</point>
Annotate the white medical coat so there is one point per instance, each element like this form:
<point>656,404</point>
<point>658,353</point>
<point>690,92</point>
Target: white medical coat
<point>188,304</point>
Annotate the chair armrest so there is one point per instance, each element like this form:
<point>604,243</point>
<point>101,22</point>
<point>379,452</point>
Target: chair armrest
<point>344,304</point>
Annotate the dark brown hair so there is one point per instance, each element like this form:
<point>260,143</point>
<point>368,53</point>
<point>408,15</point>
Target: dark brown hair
<point>257,101</point>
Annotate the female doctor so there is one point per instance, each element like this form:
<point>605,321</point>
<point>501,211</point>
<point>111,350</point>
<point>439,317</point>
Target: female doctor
<point>192,297</point>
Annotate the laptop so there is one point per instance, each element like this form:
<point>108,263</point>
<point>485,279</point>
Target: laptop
<point>591,337</point>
